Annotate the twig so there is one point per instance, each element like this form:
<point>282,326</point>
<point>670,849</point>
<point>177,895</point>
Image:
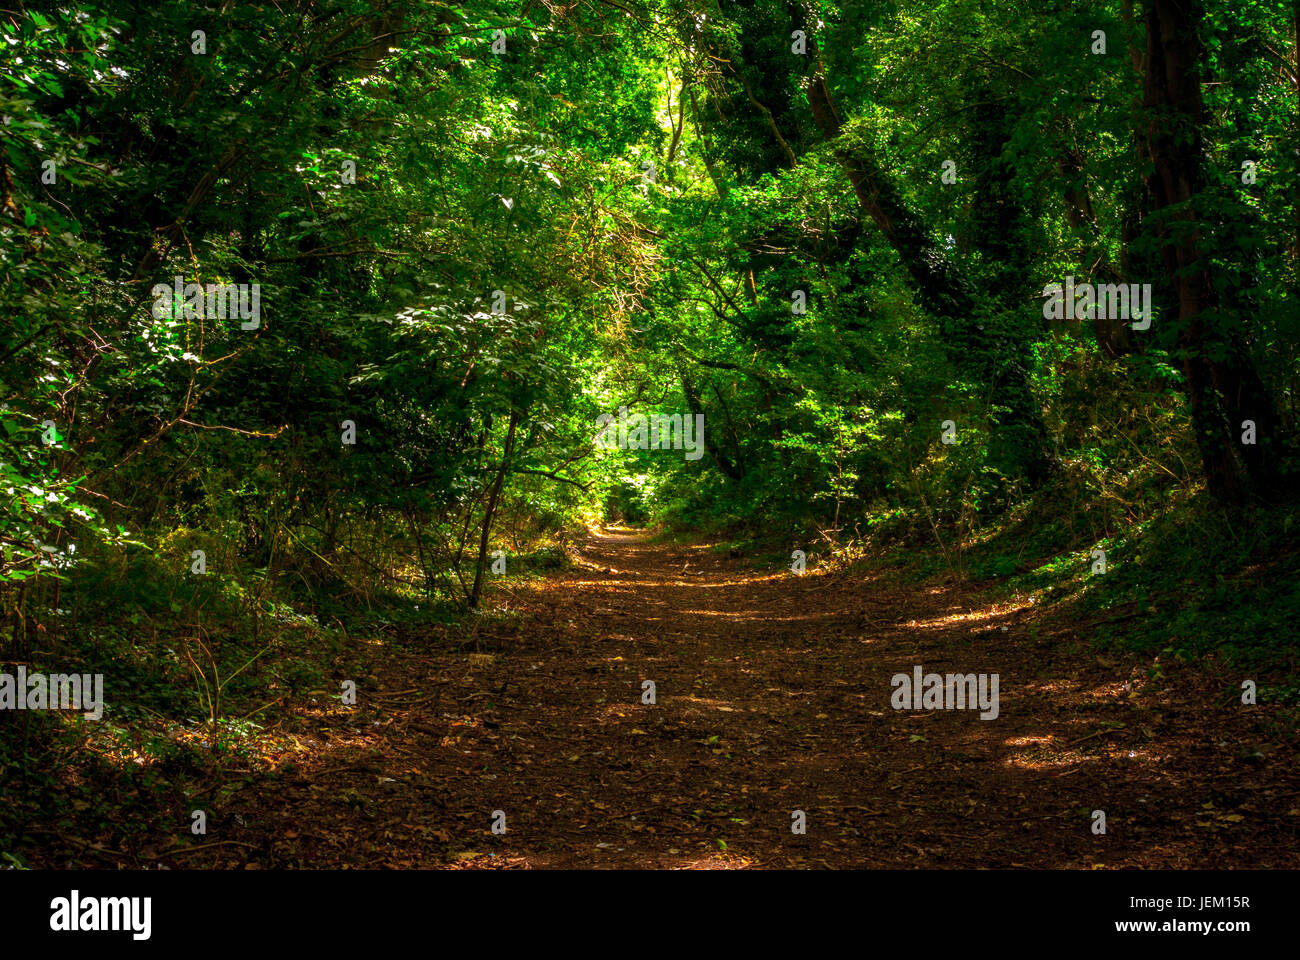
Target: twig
<point>1099,733</point>
<point>201,846</point>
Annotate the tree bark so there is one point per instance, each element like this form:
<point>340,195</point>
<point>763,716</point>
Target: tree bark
<point>1223,387</point>
<point>491,508</point>
<point>712,449</point>
<point>945,293</point>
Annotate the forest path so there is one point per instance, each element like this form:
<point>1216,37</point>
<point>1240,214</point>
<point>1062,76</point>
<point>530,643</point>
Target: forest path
<point>773,695</point>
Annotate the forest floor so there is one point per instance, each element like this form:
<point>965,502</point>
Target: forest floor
<point>772,695</point>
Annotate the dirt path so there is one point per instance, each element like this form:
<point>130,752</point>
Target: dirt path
<point>773,695</point>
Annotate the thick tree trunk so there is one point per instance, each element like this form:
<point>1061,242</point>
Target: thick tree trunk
<point>1223,387</point>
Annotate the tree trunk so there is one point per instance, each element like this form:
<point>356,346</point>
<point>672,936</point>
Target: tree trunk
<point>1223,386</point>
<point>491,508</point>
<point>712,449</point>
<point>943,291</point>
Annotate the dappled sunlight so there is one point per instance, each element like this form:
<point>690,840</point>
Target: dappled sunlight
<point>724,706</point>
<point>661,426</point>
<point>638,582</point>
<point>1042,753</point>
<point>1039,763</point>
<point>972,616</point>
<point>738,614</point>
<point>1026,741</point>
<point>602,854</point>
<point>755,704</point>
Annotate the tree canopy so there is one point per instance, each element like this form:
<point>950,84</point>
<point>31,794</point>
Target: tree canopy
<point>315,308</point>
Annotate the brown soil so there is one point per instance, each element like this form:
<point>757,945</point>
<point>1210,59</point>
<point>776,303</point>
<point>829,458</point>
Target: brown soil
<point>773,695</point>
